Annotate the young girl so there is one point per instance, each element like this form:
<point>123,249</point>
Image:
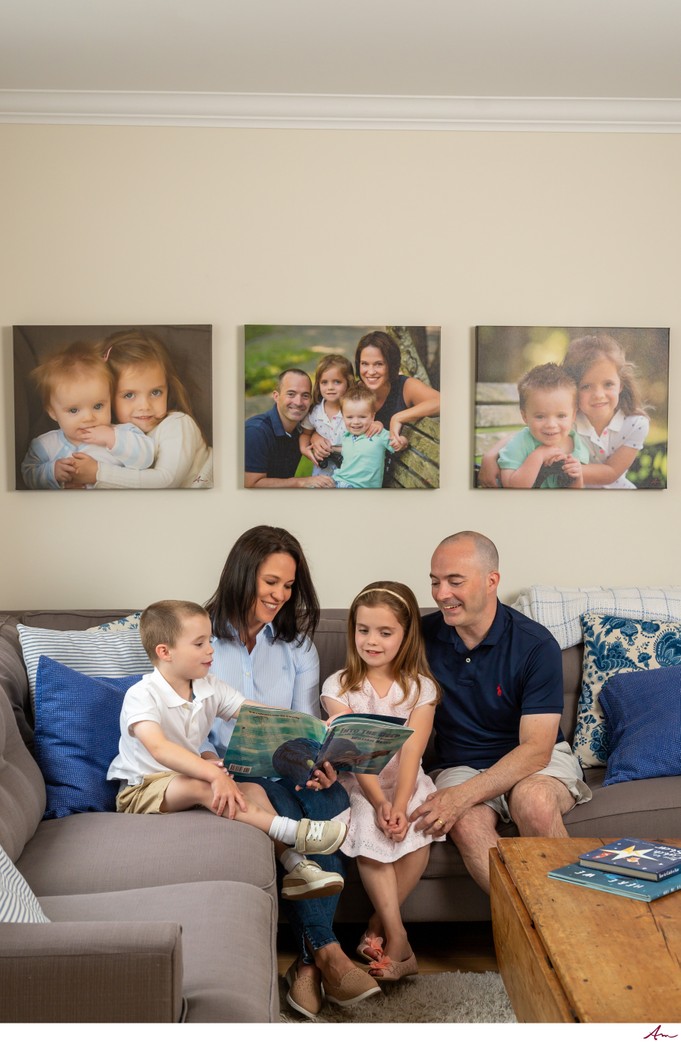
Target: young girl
<point>611,417</point>
<point>332,377</point>
<point>386,673</point>
<point>149,394</point>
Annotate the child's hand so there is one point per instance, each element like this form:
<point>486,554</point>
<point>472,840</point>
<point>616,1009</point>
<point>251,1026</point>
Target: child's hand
<point>84,470</point>
<point>320,447</point>
<point>103,434</point>
<point>375,427</point>
<point>399,443</point>
<point>64,469</point>
<point>226,794</point>
<point>573,468</point>
<point>550,455</point>
<point>399,824</point>
<point>383,815</point>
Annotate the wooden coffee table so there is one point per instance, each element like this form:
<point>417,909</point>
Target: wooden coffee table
<point>569,954</point>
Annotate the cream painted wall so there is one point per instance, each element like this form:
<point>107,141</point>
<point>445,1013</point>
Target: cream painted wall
<point>109,225</point>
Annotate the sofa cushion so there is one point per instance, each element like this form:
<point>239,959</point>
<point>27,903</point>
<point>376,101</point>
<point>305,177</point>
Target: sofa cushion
<point>76,736</point>
<point>228,942</point>
<point>642,712</point>
<point>88,853</point>
<point>95,654</point>
<point>18,903</point>
<point>613,645</point>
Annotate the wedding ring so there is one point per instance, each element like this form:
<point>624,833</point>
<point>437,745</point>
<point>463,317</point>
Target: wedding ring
<point>441,823</point>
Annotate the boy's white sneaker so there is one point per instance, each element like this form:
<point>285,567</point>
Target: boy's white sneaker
<point>319,837</point>
<point>307,879</point>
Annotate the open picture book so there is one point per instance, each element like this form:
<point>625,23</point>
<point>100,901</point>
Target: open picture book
<point>281,743</point>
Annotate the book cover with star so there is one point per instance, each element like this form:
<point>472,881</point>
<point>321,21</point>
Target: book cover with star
<point>644,859</point>
<point>609,882</point>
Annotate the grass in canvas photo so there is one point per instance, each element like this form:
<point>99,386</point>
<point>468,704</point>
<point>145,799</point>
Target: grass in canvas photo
<point>342,407</point>
<point>571,407</point>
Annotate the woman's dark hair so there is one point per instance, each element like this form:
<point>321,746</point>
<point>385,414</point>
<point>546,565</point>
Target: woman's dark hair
<point>388,348</point>
<point>232,602</point>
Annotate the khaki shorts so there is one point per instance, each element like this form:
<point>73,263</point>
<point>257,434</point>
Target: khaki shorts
<point>563,765</point>
<point>147,797</point>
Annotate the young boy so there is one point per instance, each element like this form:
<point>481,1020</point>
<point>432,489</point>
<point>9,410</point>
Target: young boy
<point>164,720</point>
<point>547,453</point>
<point>363,454</point>
<point>75,386</point>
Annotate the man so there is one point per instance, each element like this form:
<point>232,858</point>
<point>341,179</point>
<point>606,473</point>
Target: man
<point>272,452</point>
<point>500,752</point>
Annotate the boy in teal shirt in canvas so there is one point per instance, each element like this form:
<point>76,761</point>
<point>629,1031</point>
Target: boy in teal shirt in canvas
<point>363,454</point>
<point>547,452</point>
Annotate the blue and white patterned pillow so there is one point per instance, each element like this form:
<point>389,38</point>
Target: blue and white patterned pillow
<point>124,625</point>
<point>614,645</point>
<point>18,903</point>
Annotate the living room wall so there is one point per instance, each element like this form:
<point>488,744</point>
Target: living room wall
<point>182,225</point>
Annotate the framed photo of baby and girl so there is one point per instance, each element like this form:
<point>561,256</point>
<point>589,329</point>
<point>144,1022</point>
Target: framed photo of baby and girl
<point>571,407</point>
<point>113,407</point>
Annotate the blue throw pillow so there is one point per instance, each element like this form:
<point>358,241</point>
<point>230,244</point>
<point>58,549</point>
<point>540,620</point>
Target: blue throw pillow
<point>76,736</point>
<point>642,712</point>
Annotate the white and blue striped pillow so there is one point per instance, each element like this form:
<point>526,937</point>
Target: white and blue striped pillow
<point>18,903</point>
<point>94,654</point>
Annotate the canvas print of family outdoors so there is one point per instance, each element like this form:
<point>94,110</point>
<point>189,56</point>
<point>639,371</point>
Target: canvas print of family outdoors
<point>571,407</point>
<point>349,407</point>
<point>104,407</point>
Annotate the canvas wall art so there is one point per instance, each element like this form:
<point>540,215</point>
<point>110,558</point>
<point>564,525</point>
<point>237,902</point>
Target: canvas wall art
<point>113,407</point>
<point>571,407</point>
<point>342,407</point>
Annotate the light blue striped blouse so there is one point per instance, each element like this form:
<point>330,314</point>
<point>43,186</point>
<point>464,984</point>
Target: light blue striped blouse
<point>274,673</point>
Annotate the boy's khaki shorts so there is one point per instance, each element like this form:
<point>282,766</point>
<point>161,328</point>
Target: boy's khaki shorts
<point>563,765</point>
<point>147,797</point>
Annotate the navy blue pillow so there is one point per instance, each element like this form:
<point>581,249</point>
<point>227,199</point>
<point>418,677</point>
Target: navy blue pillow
<point>76,736</point>
<point>642,712</point>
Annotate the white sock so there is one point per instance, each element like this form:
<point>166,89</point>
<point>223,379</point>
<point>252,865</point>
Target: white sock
<point>290,858</point>
<point>283,829</point>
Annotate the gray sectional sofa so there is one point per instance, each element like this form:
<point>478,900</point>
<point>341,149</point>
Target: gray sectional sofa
<point>147,913</point>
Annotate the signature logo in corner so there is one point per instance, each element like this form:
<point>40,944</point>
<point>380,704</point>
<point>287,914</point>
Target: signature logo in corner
<point>658,1033</point>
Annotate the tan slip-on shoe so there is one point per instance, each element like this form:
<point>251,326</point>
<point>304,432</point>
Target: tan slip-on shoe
<point>307,879</point>
<point>354,986</point>
<point>305,992</point>
<point>319,837</point>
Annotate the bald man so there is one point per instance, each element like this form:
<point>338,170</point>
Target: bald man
<point>500,752</point>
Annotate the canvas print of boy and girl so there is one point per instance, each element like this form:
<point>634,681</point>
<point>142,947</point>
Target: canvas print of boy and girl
<point>351,407</point>
<point>571,407</point>
<point>104,407</point>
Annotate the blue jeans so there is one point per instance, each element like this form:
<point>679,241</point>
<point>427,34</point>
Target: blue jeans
<point>312,920</point>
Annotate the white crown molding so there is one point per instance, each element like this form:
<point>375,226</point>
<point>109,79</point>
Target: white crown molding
<point>341,111</point>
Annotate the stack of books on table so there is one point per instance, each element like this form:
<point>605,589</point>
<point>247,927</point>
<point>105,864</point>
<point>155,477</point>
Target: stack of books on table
<point>642,869</point>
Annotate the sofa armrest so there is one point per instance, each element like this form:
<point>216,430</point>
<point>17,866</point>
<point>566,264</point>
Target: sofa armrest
<point>90,972</point>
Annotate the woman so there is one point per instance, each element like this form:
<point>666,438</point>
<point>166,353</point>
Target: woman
<point>264,614</point>
<point>399,399</point>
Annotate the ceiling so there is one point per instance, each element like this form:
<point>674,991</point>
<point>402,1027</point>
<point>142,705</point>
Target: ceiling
<point>432,52</point>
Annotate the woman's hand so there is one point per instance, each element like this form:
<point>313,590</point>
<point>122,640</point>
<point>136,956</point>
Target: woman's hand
<point>322,778</point>
<point>375,427</point>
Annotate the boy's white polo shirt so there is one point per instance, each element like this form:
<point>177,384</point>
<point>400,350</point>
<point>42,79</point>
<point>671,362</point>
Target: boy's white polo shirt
<point>186,723</point>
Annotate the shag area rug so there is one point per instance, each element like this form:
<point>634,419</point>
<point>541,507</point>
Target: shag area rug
<point>430,998</point>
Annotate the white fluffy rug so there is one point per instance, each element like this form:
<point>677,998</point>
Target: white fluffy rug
<point>430,998</point>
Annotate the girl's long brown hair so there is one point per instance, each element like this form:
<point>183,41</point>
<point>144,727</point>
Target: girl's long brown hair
<point>410,662</point>
<point>585,351</point>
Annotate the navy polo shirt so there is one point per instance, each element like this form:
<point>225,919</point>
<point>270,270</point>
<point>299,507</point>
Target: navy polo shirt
<point>269,449</point>
<point>515,671</point>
